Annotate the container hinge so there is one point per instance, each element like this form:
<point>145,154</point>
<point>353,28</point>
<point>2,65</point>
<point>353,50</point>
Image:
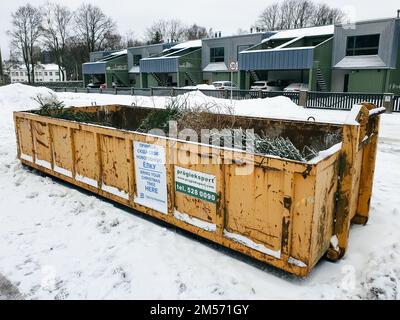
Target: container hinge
<point>287,202</point>
<point>307,172</point>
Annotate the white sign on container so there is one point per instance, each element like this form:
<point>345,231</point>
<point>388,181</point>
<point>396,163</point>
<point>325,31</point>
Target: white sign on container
<point>196,184</point>
<point>151,176</point>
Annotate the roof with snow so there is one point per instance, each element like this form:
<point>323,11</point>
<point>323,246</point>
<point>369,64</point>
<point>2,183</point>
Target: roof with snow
<point>45,67</point>
<point>361,62</point>
<point>187,45</point>
<point>303,32</point>
<point>119,53</point>
<point>214,67</point>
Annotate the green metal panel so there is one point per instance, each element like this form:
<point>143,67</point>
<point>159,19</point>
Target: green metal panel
<point>190,68</point>
<point>367,81</point>
<point>322,61</point>
<point>394,77</point>
<point>117,71</point>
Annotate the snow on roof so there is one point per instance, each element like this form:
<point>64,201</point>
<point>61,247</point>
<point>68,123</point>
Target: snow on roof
<point>45,67</point>
<point>360,62</point>
<point>303,32</point>
<point>50,66</point>
<point>118,53</point>
<point>218,66</point>
<point>188,44</point>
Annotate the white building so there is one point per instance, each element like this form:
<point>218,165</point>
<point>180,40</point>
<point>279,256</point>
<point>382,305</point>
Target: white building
<point>43,73</point>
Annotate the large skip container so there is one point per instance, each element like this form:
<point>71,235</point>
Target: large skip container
<point>288,214</point>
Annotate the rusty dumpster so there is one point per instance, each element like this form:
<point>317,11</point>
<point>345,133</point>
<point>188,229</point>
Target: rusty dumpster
<point>286,213</point>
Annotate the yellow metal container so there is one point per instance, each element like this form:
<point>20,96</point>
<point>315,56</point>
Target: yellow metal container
<point>288,214</point>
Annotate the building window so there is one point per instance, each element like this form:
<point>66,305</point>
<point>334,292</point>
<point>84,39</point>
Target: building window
<point>217,54</point>
<point>45,74</point>
<point>50,73</point>
<point>136,59</point>
<point>363,45</point>
<point>57,73</point>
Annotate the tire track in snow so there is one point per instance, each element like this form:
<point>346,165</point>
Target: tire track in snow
<point>8,291</point>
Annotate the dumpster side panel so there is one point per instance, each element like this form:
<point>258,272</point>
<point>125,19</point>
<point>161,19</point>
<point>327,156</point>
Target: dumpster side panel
<point>254,205</point>
<point>25,138</point>
<point>304,200</point>
<point>114,164</point>
<point>356,183</point>
<point>188,156</point>
<point>367,173</point>
<point>86,155</point>
<point>62,148</point>
<point>324,210</point>
<point>42,144</point>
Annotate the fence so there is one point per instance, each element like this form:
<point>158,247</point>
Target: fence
<point>63,84</point>
<point>341,101</point>
<point>396,103</point>
<point>317,100</point>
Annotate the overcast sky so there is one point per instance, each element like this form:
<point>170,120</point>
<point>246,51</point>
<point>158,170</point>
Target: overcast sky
<point>221,15</point>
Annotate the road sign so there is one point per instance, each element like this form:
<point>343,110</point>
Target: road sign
<point>233,66</point>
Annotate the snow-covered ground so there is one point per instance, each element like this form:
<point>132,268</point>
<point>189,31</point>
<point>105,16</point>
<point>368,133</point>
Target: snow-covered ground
<point>58,242</point>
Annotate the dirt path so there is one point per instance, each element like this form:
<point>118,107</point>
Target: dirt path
<point>8,291</point>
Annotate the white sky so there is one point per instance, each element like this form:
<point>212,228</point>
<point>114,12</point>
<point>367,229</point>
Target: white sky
<point>221,15</point>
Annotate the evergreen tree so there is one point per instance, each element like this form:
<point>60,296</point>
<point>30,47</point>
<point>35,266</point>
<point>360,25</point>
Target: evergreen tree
<point>157,38</point>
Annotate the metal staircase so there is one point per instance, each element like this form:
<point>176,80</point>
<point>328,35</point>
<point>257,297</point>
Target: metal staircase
<point>254,76</point>
<point>161,82</point>
<point>191,80</point>
<point>321,84</point>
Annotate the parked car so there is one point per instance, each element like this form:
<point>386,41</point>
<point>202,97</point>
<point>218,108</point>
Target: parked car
<point>224,85</point>
<point>96,85</point>
<point>296,87</point>
<point>277,85</point>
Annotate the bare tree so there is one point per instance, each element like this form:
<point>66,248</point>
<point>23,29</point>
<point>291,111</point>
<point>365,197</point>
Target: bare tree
<point>290,14</point>
<point>303,12</point>
<point>269,17</point>
<point>195,32</point>
<point>113,41</point>
<point>56,29</point>
<point>166,30</point>
<point>25,33</point>
<point>130,40</point>
<point>76,52</point>
<point>323,15</point>
<point>93,26</point>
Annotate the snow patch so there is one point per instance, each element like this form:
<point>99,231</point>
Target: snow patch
<point>26,157</point>
<point>326,153</point>
<point>43,163</point>
<point>297,262</point>
<point>377,111</point>
<point>87,181</point>
<point>335,242</point>
<point>251,244</point>
<point>195,222</point>
<point>62,171</point>
<point>115,191</point>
